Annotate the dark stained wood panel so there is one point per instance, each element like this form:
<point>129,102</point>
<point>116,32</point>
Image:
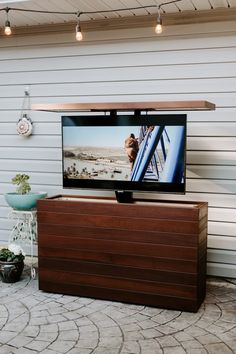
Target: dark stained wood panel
<point>154,237</point>
<point>119,222</point>
<point>168,301</point>
<point>188,211</point>
<point>128,248</point>
<point>176,265</point>
<point>141,286</point>
<point>144,252</point>
<point>123,272</point>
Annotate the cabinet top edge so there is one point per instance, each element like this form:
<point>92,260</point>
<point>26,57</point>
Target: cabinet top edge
<point>111,200</point>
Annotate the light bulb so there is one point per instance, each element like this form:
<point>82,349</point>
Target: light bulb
<point>7,29</point>
<point>158,28</point>
<point>78,33</point>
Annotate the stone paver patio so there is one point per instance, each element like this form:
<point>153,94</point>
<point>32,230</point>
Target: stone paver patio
<point>32,321</point>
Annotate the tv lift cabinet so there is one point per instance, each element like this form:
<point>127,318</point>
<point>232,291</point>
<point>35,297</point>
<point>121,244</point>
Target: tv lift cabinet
<point>147,252</point>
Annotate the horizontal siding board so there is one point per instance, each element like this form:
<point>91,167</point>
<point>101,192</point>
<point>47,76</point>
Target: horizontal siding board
<point>39,177</point>
<point>209,78</point>
<point>4,211</point>
<point>212,129</point>
<point>38,128</point>
<point>221,242</point>
<point>12,153</point>
<point>211,186</point>
<point>221,270</point>
<point>219,115</point>
<point>222,228</point>
<point>47,178</point>
<point>221,158</point>
<point>39,166</point>
<point>152,83</point>
<point>211,143</point>
<point>222,214</point>
<point>13,115</point>
<point>135,58</point>
<point>4,235</point>
<point>221,256</point>
<point>211,172</point>
<point>33,141</point>
<point>213,70</point>
<point>6,224</point>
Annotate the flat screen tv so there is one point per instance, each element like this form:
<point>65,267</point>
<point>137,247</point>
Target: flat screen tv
<point>125,152</point>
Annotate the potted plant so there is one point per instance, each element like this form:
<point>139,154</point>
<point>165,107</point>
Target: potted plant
<point>11,263</point>
<point>23,198</point>
<point>21,180</point>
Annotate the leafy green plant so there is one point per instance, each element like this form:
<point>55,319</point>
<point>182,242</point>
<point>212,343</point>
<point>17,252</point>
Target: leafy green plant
<point>21,181</point>
<point>13,253</point>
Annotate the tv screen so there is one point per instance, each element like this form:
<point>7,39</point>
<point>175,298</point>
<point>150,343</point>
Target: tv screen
<point>139,152</point>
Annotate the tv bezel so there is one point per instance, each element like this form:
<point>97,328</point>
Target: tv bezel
<point>122,120</point>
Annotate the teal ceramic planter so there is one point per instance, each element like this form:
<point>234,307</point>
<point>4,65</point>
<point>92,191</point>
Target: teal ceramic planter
<point>24,201</point>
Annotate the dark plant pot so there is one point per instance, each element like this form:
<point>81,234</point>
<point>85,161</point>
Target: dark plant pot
<point>10,272</point>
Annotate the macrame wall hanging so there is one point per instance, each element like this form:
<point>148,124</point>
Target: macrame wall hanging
<point>24,125</point>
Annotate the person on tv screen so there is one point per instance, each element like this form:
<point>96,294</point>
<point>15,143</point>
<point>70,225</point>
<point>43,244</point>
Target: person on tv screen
<point>131,147</point>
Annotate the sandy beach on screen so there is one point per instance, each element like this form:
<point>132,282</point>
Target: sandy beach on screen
<point>105,163</point>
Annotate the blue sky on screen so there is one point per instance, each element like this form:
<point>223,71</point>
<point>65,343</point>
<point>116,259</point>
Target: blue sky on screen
<point>98,136</point>
<point>102,136</point>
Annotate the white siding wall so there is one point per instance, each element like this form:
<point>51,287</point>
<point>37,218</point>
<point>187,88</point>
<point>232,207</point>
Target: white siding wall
<point>187,62</point>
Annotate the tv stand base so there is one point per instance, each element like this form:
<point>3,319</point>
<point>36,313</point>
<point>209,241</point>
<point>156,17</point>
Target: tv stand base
<point>148,252</point>
<point>124,197</point>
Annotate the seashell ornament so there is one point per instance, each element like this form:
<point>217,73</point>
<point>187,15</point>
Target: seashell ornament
<point>24,126</point>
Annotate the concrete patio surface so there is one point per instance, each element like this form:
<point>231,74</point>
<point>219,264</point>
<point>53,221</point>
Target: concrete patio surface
<point>32,321</point>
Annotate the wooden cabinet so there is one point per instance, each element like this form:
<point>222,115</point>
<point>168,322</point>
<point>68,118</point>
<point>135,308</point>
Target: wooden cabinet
<point>147,252</point>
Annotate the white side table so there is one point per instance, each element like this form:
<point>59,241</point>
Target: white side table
<point>24,231</point>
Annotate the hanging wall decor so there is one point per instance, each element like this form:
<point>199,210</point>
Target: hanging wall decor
<point>24,125</point>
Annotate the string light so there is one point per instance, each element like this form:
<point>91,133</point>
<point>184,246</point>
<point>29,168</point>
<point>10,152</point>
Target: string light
<point>78,32</point>
<point>7,29</point>
<point>159,27</point>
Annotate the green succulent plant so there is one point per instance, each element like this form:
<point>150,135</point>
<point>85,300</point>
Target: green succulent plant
<point>21,181</point>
